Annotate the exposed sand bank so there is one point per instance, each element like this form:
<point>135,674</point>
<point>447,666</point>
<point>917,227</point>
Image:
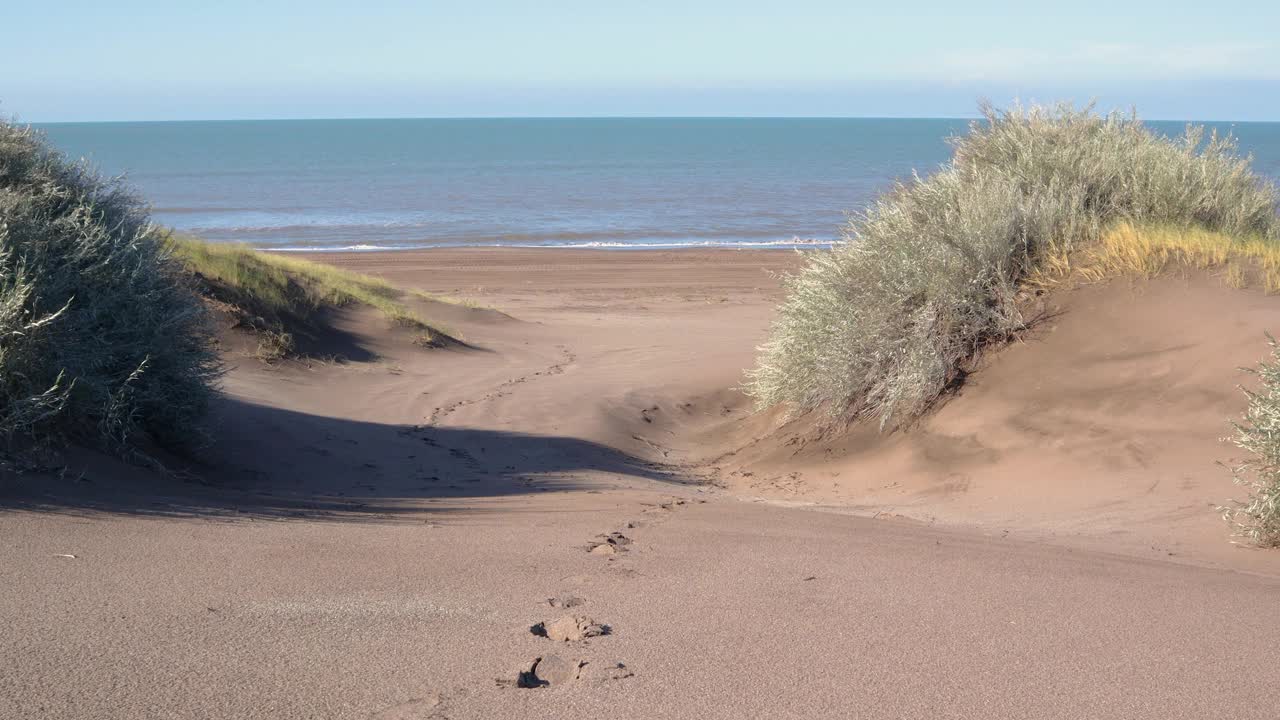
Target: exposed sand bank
<point>377,537</point>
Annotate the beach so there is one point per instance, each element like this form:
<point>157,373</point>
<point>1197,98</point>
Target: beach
<point>443,361</point>
<point>375,534</point>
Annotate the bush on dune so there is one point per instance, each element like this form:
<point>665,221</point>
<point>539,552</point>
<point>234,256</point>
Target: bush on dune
<point>881,325</point>
<point>1258,518</point>
<point>101,340</point>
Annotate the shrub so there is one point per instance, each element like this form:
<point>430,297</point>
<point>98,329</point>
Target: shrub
<point>926,277</point>
<point>1258,518</point>
<point>100,338</point>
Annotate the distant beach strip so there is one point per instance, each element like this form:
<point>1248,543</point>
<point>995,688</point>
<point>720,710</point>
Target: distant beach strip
<point>792,244</point>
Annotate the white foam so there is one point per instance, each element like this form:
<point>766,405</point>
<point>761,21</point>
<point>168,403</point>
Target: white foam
<point>793,243</point>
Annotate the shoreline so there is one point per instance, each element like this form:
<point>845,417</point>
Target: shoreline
<point>783,247</point>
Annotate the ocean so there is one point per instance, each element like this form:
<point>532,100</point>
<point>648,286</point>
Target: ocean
<point>595,183</point>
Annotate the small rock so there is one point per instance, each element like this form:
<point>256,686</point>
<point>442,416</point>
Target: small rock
<point>603,549</point>
<point>565,601</point>
<point>618,538</point>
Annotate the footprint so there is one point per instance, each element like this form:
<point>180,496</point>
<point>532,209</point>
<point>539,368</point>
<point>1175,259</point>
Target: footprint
<point>426,708</point>
<point>549,671</point>
<point>611,544</point>
<point>665,507</point>
<point>603,673</point>
<point>570,628</point>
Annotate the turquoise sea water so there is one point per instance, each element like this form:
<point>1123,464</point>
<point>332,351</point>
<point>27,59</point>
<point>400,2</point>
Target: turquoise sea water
<point>370,184</point>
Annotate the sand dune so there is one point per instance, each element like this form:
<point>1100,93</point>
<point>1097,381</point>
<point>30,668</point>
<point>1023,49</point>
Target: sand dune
<point>1103,426</point>
<point>383,537</point>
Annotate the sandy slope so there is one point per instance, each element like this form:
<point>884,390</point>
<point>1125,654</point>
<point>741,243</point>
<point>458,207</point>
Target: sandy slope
<point>1103,427</point>
<point>377,537</point>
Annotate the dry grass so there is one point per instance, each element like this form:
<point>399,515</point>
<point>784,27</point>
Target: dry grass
<point>280,296</point>
<point>1128,249</point>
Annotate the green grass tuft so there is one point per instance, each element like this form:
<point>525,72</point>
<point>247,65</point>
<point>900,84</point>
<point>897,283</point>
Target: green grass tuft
<point>280,295</point>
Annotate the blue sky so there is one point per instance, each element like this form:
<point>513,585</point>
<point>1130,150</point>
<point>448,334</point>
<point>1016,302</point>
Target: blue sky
<point>135,60</point>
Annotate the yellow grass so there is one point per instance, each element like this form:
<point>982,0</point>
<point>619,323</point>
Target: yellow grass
<point>1129,249</point>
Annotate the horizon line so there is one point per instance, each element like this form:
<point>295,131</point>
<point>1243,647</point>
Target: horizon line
<point>577,117</point>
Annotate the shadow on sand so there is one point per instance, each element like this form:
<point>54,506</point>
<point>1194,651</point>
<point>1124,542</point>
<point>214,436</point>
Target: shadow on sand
<point>272,463</point>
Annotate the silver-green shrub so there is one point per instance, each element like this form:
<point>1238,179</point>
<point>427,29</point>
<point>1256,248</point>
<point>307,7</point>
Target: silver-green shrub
<point>101,340</point>
<point>1258,434</point>
<point>883,323</point>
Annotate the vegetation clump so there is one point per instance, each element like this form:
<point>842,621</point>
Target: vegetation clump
<point>279,296</point>
<point>101,339</point>
<point>1150,250</point>
<point>935,270</point>
<point>1258,517</point>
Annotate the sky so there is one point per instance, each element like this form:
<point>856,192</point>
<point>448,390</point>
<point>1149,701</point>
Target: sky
<point>235,59</point>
